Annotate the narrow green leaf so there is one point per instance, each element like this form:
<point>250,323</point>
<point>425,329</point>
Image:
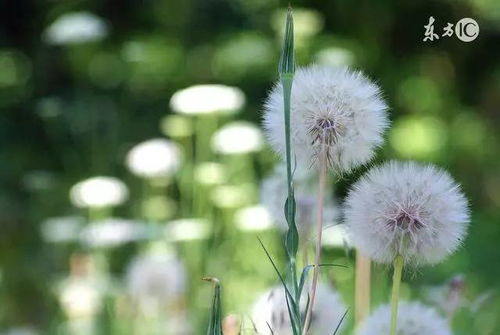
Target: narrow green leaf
<point>215,323</point>
<point>340,322</point>
<point>287,59</point>
<point>294,310</point>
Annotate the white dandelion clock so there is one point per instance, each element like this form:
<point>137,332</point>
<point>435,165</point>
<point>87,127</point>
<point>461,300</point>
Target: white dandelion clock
<point>333,110</point>
<point>98,192</point>
<point>238,137</point>
<point>154,158</point>
<point>208,99</point>
<point>408,209</point>
<point>155,280</point>
<point>413,319</point>
<point>273,193</point>
<point>270,312</point>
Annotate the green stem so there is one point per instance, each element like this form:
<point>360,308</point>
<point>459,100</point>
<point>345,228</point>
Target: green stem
<point>396,283</point>
<point>292,234</point>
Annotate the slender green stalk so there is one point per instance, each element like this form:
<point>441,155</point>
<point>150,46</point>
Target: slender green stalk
<point>286,71</point>
<point>215,324</point>
<point>396,283</point>
<point>319,230</point>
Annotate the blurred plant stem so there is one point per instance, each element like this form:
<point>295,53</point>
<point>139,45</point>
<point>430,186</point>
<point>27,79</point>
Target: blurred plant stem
<point>95,214</point>
<point>205,126</point>
<point>322,161</point>
<point>396,283</point>
<point>362,289</point>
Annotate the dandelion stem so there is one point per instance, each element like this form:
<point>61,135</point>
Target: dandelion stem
<point>362,289</point>
<point>319,228</point>
<point>396,283</point>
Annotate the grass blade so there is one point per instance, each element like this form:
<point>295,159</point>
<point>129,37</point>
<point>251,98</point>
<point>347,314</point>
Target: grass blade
<point>215,324</point>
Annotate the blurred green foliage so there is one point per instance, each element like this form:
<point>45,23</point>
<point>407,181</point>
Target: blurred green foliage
<point>69,111</point>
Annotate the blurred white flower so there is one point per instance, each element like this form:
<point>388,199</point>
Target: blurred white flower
<point>99,192</point>
<point>155,279</point>
<point>406,208</point>
<point>232,196</point>
<point>336,236</point>
<point>413,319</point>
<point>447,297</point>
<point>271,310</point>
<point>237,138</point>
<point>154,158</point>
<point>334,108</point>
<point>80,298</point>
<point>273,193</point>
<point>210,173</point>
<point>24,330</point>
<point>112,232</point>
<point>186,230</point>
<point>61,229</point>
<point>207,99</point>
<point>77,27</point>
<point>253,218</point>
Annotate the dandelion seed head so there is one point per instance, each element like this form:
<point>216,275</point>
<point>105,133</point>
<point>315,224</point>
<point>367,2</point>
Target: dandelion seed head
<point>413,319</point>
<point>335,109</point>
<point>271,310</point>
<point>408,208</point>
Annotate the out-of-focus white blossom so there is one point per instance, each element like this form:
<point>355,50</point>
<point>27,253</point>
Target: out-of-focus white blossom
<point>99,192</point>
<point>253,218</point>
<point>207,99</point>
<point>154,158</point>
<point>271,310</point>
<point>24,330</point>
<point>156,279</point>
<point>336,236</point>
<point>186,230</point>
<point>76,27</point>
<point>237,138</point>
<point>80,298</point>
<point>112,232</point>
<point>232,196</point>
<point>406,208</point>
<point>210,173</point>
<point>332,108</point>
<point>413,319</point>
<point>62,229</point>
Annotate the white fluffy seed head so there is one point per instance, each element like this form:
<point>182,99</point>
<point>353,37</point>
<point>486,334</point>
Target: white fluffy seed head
<point>408,208</point>
<point>413,319</point>
<point>273,194</point>
<point>271,310</point>
<point>337,108</point>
